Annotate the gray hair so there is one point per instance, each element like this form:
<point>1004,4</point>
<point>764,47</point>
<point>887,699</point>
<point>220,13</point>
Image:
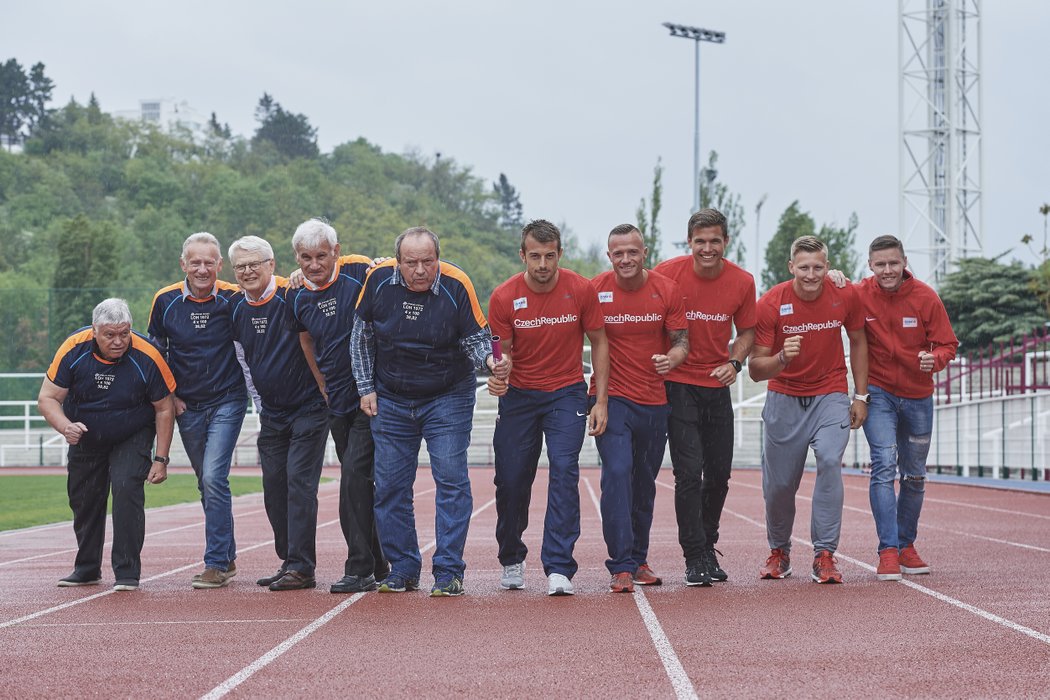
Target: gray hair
<point>417,231</point>
<point>111,312</point>
<point>313,234</point>
<point>201,237</point>
<point>252,244</point>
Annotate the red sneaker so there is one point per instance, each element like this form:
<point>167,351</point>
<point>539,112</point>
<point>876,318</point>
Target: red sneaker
<point>621,583</point>
<point>778,565</point>
<point>911,562</point>
<point>646,576</point>
<point>824,569</point>
<point>889,565</point>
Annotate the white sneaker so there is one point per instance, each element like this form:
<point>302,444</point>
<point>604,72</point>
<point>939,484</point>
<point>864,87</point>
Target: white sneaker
<point>559,584</point>
<point>126,586</point>
<point>513,576</point>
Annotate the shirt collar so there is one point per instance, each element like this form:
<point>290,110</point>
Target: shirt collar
<point>187,293</point>
<point>317,287</point>
<point>435,288</point>
<point>267,293</point>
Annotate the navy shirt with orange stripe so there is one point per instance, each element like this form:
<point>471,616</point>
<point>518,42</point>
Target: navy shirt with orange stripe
<point>327,313</point>
<point>269,335</point>
<point>422,339</point>
<point>196,338</point>
<point>114,399</point>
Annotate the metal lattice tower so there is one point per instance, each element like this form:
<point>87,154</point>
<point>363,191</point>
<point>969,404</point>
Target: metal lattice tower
<point>941,211</point>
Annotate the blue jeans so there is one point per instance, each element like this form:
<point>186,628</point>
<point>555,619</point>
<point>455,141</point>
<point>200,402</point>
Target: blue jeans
<point>631,448</point>
<point>397,430</point>
<point>209,436</point>
<point>898,431</point>
<point>526,418</point>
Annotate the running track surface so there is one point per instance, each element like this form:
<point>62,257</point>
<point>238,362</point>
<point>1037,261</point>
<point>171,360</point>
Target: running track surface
<point>978,626</point>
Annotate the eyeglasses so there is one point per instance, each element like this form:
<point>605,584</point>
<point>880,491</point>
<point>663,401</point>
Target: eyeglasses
<point>250,267</point>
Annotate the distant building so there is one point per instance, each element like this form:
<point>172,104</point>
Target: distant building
<point>167,113</point>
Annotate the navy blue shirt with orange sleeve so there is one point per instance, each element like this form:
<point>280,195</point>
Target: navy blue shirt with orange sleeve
<point>422,346</point>
<point>114,399</point>
<point>196,338</point>
<point>327,314</point>
<point>269,334</point>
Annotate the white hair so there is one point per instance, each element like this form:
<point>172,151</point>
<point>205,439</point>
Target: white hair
<point>252,244</point>
<point>111,312</point>
<point>201,237</point>
<point>313,234</point>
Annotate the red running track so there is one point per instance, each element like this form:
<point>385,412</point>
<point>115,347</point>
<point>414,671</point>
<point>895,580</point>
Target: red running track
<point>978,626</point>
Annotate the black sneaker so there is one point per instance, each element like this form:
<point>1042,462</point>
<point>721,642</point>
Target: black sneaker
<point>74,580</point>
<point>716,572</point>
<point>696,573</point>
<point>267,580</point>
<point>354,584</point>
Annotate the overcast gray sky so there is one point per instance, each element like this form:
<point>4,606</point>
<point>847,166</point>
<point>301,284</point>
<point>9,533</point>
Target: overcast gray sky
<point>575,101</point>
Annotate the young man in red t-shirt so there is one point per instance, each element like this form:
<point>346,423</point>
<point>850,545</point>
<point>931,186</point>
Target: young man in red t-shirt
<point>798,348</point>
<point>541,315</point>
<point>909,339</point>
<point>645,323</point>
<point>718,296</point>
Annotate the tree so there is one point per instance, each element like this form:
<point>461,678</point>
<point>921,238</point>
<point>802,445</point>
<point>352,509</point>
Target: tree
<point>217,129</point>
<point>795,223</point>
<point>40,87</point>
<point>988,301</point>
<point>842,250</point>
<point>647,222</point>
<point>290,134</point>
<point>14,96</point>
<point>511,216</point>
<point>88,261</point>
<point>715,194</point>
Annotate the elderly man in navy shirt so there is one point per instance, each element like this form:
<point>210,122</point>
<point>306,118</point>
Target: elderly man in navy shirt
<point>293,423</point>
<point>418,336</point>
<point>190,323</point>
<point>108,392</point>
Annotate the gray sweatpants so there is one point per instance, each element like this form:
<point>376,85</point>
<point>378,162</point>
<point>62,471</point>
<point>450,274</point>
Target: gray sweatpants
<point>790,430</point>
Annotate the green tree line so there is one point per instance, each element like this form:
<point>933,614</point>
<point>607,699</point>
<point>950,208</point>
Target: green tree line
<point>94,206</point>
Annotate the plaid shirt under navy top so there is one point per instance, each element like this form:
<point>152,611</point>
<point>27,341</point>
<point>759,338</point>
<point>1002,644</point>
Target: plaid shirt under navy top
<point>476,346</point>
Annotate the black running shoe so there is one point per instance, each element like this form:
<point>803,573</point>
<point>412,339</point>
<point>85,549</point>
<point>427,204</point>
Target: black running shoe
<point>716,572</point>
<point>696,574</point>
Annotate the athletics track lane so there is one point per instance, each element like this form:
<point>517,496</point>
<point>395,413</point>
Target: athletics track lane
<point>747,636</point>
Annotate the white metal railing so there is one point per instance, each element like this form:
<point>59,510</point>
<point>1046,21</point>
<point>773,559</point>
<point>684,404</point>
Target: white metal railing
<point>982,437</point>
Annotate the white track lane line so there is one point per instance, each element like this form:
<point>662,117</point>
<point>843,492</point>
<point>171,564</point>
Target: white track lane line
<point>163,622</point>
<point>926,526</point>
<point>963,504</point>
<point>991,617</point>
<point>171,572</point>
<point>683,687</point>
<point>109,543</point>
<point>269,657</point>
<point>148,535</point>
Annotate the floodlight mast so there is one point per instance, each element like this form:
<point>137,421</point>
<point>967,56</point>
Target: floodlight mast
<point>696,34</point>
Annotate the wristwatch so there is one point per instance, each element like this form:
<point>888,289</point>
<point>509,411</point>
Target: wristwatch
<point>866,398</point>
<point>162,460</point>
<point>736,365</point>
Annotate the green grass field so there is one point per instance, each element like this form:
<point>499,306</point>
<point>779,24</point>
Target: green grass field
<point>31,500</point>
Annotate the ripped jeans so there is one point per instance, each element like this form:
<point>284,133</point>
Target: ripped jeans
<point>898,431</point>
